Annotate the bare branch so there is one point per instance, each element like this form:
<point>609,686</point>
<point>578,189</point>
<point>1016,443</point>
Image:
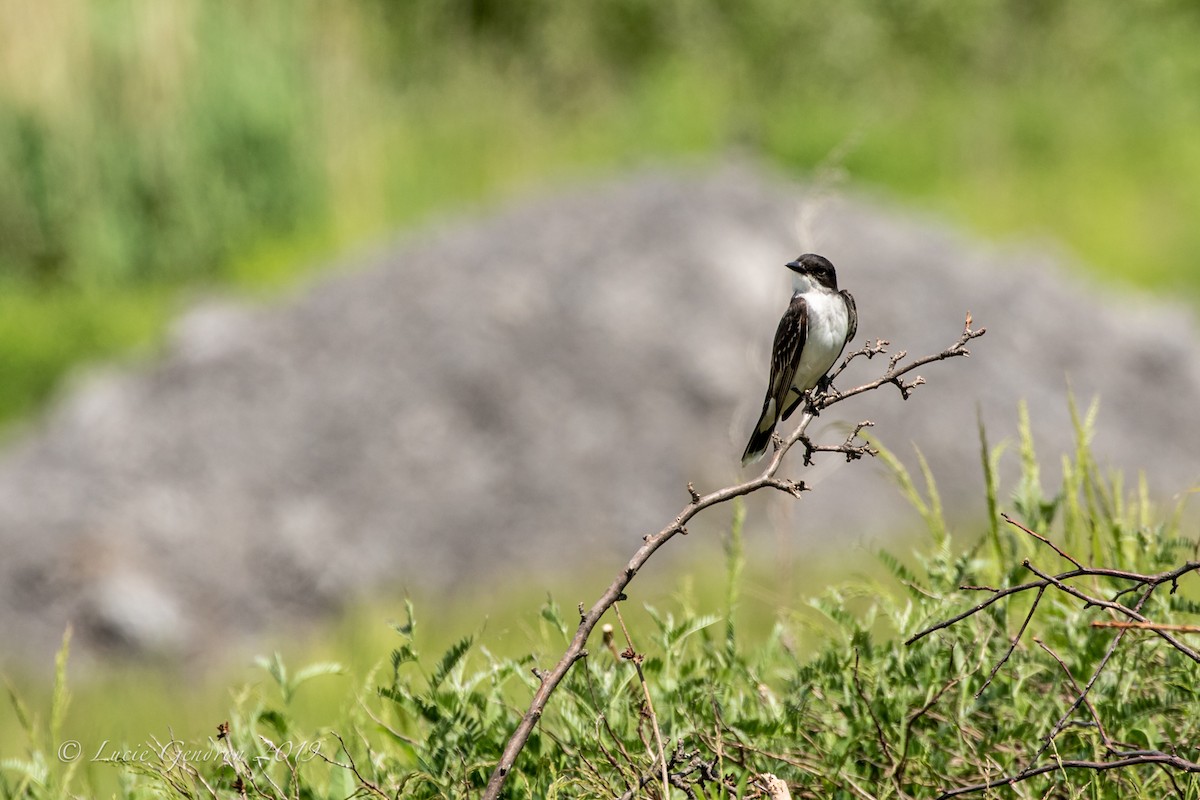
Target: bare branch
<point>868,351</point>
<point>852,451</point>
<point>549,681</point>
<point>998,594</point>
<point>895,372</point>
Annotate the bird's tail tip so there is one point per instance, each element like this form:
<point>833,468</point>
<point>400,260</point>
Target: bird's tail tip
<point>757,447</point>
<point>750,458</point>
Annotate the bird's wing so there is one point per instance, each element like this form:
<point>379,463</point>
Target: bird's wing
<point>785,354</point>
<point>851,329</point>
<point>785,357</point>
<point>852,311</point>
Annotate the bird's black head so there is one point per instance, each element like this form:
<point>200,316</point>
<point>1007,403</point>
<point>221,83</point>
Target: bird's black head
<point>818,269</point>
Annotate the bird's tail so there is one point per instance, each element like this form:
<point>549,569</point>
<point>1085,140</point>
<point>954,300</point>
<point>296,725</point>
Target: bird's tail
<point>761,438</point>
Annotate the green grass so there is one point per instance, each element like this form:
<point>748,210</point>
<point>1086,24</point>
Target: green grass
<point>149,148</point>
<point>121,706</point>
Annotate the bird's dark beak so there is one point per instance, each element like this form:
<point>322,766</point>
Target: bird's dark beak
<point>793,265</point>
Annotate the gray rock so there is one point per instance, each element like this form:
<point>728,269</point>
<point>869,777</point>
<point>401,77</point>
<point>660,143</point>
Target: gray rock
<point>530,391</point>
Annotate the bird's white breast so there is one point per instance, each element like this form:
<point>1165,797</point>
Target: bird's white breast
<point>828,322</point>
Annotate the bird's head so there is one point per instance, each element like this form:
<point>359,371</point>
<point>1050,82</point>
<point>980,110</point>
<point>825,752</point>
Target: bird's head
<point>813,270</point>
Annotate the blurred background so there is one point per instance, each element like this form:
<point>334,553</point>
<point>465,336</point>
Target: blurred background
<point>156,153</point>
<point>147,149</point>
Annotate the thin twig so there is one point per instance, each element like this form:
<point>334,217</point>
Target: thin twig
<point>1041,539</point>
<point>862,695</point>
<point>636,658</point>
<point>602,717</point>
<point>366,784</point>
<point>999,594</point>
<point>239,765</point>
<point>894,372</point>
<point>852,451</point>
<point>388,729</point>
<point>898,770</point>
<point>1108,744</point>
<point>868,350</point>
<point>689,763</point>
<point>1013,645</point>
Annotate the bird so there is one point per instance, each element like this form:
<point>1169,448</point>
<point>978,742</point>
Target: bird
<point>815,328</point>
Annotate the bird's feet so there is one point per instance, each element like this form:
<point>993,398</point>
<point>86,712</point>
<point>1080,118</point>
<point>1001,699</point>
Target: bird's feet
<point>812,402</point>
<point>823,395</point>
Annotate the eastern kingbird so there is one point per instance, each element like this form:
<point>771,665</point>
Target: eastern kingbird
<point>814,331</point>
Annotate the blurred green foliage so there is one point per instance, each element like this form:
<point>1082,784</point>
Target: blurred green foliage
<point>148,145</point>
